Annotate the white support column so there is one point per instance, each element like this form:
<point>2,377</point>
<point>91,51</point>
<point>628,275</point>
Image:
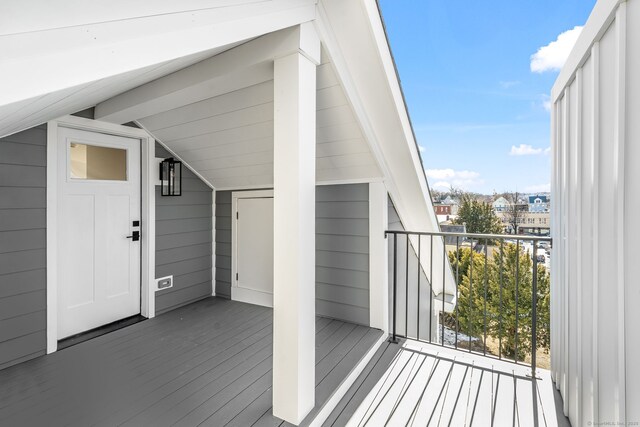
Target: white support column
<point>294,234</point>
<point>378,257</point>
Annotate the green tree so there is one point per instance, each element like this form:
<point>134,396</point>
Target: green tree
<point>488,285</point>
<point>478,216</point>
<point>469,267</point>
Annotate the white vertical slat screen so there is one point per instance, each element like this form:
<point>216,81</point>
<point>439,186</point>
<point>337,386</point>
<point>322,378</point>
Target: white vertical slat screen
<point>596,190</point>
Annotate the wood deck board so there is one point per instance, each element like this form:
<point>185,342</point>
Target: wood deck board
<point>85,352</point>
<point>205,363</point>
<point>383,358</point>
<point>423,385</point>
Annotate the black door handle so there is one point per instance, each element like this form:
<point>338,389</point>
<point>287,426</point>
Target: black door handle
<point>135,236</point>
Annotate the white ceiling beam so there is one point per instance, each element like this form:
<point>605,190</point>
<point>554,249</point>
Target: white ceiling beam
<point>248,64</point>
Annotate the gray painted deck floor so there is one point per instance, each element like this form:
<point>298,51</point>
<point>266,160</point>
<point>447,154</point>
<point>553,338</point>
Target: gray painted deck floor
<point>416,384</point>
<point>208,363</point>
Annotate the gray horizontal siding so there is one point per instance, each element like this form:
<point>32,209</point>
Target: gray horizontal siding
<point>342,250</point>
<point>23,161</point>
<point>184,241</point>
<point>223,244</point>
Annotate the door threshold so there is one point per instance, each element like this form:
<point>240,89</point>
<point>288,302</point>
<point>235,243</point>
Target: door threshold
<point>99,331</point>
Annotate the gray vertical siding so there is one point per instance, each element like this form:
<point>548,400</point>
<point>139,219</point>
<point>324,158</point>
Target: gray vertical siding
<point>407,285</point>
<point>23,301</point>
<point>342,250</point>
<point>184,241</point>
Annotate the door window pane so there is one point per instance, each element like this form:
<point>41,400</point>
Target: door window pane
<point>98,163</point>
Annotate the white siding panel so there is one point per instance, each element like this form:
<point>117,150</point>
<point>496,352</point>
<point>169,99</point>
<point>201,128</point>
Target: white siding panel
<point>219,152</point>
<point>586,248</point>
<point>228,139</point>
<point>335,116</point>
<point>632,201</point>
<point>349,146</point>
<point>259,94</point>
<point>607,327</point>
<point>352,173</point>
<point>572,242</point>
<point>331,97</point>
<point>326,76</point>
<point>237,160</point>
<point>231,120</point>
<point>596,183</point>
<point>229,136</point>
<point>339,132</point>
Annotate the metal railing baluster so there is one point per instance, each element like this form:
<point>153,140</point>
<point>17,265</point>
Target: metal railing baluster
<point>430,287</point>
<point>470,293</point>
<point>394,339</point>
<point>482,331</point>
<point>517,296</point>
<point>406,290</point>
<point>418,300</point>
<point>486,282</point>
<point>534,310</point>
<point>457,293</point>
<point>444,266</point>
<point>500,310</point>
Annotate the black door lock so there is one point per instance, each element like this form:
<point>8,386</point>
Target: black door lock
<point>135,236</point>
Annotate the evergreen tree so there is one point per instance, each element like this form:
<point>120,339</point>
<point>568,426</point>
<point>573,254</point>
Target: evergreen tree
<point>478,216</point>
<point>488,286</point>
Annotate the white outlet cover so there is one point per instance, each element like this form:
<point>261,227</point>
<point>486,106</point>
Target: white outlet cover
<point>163,279</point>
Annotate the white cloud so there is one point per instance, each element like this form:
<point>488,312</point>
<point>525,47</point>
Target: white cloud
<point>546,102</point>
<point>524,150</point>
<point>552,56</point>
<point>421,148</point>
<point>447,178</point>
<point>547,151</point>
<point>540,188</point>
<point>509,84</point>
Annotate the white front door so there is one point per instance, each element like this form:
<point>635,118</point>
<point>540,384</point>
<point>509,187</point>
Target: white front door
<point>254,251</point>
<point>99,200</point>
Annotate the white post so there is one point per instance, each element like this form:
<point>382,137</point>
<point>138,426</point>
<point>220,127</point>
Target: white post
<point>378,257</point>
<point>294,237</point>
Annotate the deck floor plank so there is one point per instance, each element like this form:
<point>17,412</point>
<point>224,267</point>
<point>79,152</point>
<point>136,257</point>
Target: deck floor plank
<point>207,363</point>
<point>374,371</point>
<point>418,384</point>
<point>80,355</point>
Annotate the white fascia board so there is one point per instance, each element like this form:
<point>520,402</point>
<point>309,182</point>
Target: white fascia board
<point>246,65</point>
<point>362,59</point>
<point>602,15</point>
<point>33,71</point>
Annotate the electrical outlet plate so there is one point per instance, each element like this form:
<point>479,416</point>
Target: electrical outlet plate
<point>164,283</point>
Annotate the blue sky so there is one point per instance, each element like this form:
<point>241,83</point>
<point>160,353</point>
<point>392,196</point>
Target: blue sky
<point>479,112</point>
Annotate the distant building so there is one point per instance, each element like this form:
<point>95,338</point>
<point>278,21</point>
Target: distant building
<point>453,203</point>
<point>442,209</point>
<point>528,222</point>
<point>538,203</point>
<point>453,228</point>
<point>501,205</point>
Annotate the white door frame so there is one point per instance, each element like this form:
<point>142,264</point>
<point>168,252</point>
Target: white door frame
<point>147,220</point>
<point>235,195</point>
